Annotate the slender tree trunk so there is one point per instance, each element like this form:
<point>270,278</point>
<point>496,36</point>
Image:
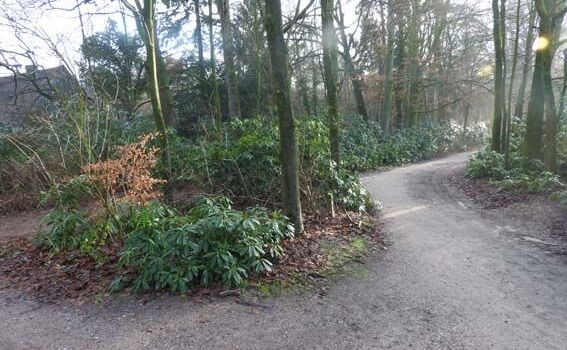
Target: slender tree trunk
<point>512,78</point>
<point>519,106</point>
<point>330,66</point>
<point>164,91</point>
<point>389,64</point>
<point>440,26</point>
<point>357,89</point>
<point>400,64</point>
<point>561,112</point>
<point>223,7</point>
<point>164,86</point>
<point>199,36</point>
<point>258,36</point>
<point>289,152</point>
<point>216,105</point>
<point>151,51</point>
<point>314,90</point>
<point>467,113</point>
<point>551,122</point>
<point>412,99</point>
<point>130,87</point>
<point>304,95</point>
<point>551,116</point>
<point>84,37</point>
<point>499,82</point>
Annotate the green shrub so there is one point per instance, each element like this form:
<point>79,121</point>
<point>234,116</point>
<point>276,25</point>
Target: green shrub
<point>246,163</point>
<point>63,227</point>
<point>346,189</point>
<point>537,183</point>
<point>163,249</point>
<point>213,243</point>
<point>487,164</point>
<point>365,147</point>
<point>519,174</point>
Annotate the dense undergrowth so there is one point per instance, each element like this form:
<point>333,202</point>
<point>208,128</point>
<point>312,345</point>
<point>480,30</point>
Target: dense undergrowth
<point>516,172</point>
<point>105,198</point>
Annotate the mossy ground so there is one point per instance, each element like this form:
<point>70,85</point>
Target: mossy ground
<point>343,256</point>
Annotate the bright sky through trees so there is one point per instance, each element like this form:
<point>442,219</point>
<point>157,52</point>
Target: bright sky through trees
<point>61,25</point>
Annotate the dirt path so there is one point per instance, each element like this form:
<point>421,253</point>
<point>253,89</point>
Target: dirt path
<point>20,224</point>
<point>452,278</point>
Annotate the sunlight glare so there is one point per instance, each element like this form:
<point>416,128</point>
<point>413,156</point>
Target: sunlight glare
<point>485,71</point>
<point>541,43</point>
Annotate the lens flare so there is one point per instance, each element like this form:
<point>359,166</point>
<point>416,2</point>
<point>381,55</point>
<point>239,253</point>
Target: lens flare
<point>541,43</point>
<point>486,71</point>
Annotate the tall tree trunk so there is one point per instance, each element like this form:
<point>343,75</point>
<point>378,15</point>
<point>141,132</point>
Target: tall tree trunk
<point>315,90</point>
<point>412,99</point>
<point>289,152</point>
<point>130,93</point>
<point>551,116</point>
<point>199,36</point>
<point>164,86</point>
<point>536,105</point>
<point>164,91</point>
<point>389,76</point>
<point>506,141</point>
<point>216,104</point>
<point>519,106</point>
<point>551,121</point>
<point>499,80</point>
<point>330,67</point>
<point>258,39</point>
<point>400,64</point>
<point>151,53</point>
<point>440,26</point>
<point>355,76</point>
<point>561,112</point>
<point>223,7</point>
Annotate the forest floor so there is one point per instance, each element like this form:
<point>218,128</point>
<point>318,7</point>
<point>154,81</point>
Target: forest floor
<point>457,274</point>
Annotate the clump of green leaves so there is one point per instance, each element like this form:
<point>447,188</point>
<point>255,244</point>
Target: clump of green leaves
<point>487,164</point>
<point>365,147</point>
<point>245,163</point>
<point>519,173</point>
<point>213,243</point>
<point>65,226</point>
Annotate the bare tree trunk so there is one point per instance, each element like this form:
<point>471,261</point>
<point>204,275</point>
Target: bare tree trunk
<point>519,107</point>
<point>440,26</point>
<point>330,66</point>
<point>499,82</point>
<point>199,36</point>
<point>216,105</point>
<point>551,117</point>
<point>258,36</point>
<point>164,91</point>
<point>506,141</point>
<point>223,7</point>
<point>561,112</point>
<point>288,142</point>
<point>412,99</point>
<point>389,79</point>
<point>151,50</point>
<point>551,122</point>
<point>536,105</point>
<point>164,86</point>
